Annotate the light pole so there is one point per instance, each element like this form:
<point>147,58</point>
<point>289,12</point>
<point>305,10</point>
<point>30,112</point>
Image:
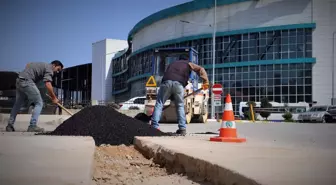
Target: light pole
<point>333,71</point>
<point>213,60</point>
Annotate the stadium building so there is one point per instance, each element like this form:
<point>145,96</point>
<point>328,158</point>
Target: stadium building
<point>282,49</point>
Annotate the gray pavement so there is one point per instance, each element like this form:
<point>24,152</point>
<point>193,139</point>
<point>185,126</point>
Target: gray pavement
<point>301,153</point>
<point>41,160</point>
<point>253,162</point>
<point>285,134</point>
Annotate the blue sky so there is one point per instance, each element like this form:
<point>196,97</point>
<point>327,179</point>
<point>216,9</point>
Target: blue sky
<point>45,30</point>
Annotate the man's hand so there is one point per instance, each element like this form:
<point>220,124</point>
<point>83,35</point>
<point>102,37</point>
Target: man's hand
<point>205,86</point>
<point>55,100</point>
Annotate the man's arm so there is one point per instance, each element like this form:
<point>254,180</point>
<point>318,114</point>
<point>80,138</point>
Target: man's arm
<point>200,71</point>
<point>47,80</point>
<point>50,90</point>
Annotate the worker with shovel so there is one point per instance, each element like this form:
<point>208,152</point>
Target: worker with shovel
<point>172,85</point>
<point>26,88</point>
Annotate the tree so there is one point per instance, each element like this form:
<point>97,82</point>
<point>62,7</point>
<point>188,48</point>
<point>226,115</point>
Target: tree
<point>288,117</point>
<point>265,104</point>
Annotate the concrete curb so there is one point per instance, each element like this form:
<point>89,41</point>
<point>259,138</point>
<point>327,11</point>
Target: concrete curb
<point>177,162</point>
<point>52,160</point>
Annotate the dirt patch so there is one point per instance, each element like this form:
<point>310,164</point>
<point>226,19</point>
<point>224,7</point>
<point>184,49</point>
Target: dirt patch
<point>123,165</point>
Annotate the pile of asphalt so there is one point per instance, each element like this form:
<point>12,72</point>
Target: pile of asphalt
<point>106,125</point>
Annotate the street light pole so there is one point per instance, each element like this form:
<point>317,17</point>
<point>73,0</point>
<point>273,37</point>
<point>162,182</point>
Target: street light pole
<point>333,71</point>
<point>213,60</point>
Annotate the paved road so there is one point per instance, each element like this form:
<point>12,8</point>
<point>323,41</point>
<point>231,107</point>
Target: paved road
<point>289,134</point>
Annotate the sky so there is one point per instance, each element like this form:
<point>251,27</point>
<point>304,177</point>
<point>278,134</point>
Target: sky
<point>46,30</point>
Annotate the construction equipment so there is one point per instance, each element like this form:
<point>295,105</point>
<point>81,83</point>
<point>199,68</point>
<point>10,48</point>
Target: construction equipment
<point>146,118</point>
<point>196,105</point>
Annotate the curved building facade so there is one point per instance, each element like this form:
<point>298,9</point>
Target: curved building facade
<point>282,49</point>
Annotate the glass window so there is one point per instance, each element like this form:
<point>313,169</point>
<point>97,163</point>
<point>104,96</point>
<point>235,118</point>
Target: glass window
<point>308,81</point>
<point>292,40</point>
<point>292,89</point>
<point>284,33</point>
<point>292,33</point>
<point>284,89</point>
<point>252,83</point>
<point>252,75</point>
<point>292,73</point>
<point>308,73</point>
<point>284,74</point>
<point>300,98</point>
<point>277,90</point>
<point>300,81</point>
<point>277,98</point>
<point>284,40</point>
<point>284,55</point>
<point>285,66</point>
<point>292,99</point>
<point>308,90</point>
<point>284,48</point>
<point>284,81</point>
<point>308,98</point>
<point>245,76</point>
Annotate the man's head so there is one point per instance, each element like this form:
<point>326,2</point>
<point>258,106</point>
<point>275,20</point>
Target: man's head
<point>57,66</point>
<point>183,57</point>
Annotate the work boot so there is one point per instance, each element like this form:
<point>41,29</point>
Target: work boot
<point>181,131</point>
<point>10,128</point>
<point>35,129</point>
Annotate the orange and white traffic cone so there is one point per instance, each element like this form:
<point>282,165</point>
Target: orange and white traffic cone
<point>228,130</point>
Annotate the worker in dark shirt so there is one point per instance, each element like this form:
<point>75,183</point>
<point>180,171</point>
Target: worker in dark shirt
<point>173,83</point>
<point>26,88</point>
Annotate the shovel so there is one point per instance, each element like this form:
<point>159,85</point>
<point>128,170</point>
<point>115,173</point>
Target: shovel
<point>66,110</point>
<point>145,118</point>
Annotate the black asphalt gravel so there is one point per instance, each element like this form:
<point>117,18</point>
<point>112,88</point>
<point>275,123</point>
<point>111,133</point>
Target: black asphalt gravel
<point>106,125</point>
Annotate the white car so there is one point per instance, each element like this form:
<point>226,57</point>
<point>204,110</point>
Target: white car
<point>136,103</point>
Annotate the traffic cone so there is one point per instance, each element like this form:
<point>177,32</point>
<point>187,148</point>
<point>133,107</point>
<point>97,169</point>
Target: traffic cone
<point>228,130</point>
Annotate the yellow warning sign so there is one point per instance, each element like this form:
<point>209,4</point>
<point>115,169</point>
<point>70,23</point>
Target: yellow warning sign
<point>151,82</point>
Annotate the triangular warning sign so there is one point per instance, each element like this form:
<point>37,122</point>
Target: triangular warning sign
<point>151,82</point>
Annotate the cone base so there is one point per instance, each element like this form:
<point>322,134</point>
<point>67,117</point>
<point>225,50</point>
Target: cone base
<point>228,139</point>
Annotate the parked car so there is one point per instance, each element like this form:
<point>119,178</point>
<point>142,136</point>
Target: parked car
<point>332,115</point>
<point>318,113</point>
<point>136,103</point>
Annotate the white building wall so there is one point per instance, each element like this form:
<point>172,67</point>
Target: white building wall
<point>250,14</point>
<point>324,15</point>
<point>102,53</point>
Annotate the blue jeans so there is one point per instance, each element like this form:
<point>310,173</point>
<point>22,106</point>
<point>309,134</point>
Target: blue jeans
<point>26,89</point>
<point>168,88</point>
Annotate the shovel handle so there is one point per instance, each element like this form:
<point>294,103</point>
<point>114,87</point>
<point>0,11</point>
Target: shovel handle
<point>62,107</point>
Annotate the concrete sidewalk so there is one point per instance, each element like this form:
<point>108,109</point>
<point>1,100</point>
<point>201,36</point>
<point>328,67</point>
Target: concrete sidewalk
<point>245,163</point>
<point>45,160</point>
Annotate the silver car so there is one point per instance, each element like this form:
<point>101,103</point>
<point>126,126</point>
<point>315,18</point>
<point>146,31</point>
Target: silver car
<point>317,114</point>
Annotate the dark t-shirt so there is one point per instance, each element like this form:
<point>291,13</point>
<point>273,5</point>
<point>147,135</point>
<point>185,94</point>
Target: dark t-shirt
<point>38,71</point>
